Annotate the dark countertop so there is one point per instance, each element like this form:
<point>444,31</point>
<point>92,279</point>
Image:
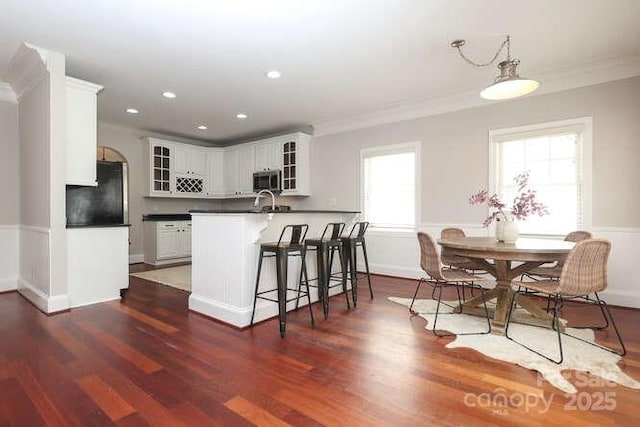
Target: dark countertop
<point>253,211</point>
<point>97,225</point>
<point>166,217</point>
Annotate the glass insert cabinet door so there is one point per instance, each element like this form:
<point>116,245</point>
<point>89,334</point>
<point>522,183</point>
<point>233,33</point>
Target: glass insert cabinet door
<point>289,166</point>
<point>161,166</point>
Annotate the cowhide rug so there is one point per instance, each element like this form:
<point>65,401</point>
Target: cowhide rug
<point>578,355</point>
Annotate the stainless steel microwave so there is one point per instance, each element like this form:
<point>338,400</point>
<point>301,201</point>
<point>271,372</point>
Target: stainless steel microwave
<point>267,180</point>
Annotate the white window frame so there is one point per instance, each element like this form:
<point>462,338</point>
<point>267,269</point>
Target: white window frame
<point>585,153</point>
<point>387,150</point>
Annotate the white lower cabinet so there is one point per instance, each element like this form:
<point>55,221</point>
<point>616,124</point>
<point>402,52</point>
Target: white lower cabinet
<point>167,242</point>
<point>97,264</point>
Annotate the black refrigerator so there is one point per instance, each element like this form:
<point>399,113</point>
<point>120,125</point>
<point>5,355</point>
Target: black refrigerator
<point>104,204</point>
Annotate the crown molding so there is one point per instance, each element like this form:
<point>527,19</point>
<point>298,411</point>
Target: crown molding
<point>83,85</point>
<point>27,68</point>
<point>591,74</point>
<point>6,93</point>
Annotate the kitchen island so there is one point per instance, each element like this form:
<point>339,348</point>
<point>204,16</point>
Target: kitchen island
<point>225,250</point>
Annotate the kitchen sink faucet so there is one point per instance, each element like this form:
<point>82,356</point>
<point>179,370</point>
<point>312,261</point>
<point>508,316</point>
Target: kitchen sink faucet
<point>256,202</point>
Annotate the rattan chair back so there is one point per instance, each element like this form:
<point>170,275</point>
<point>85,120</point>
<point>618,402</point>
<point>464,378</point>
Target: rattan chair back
<point>429,259</point>
<point>576,236</point>
<point>585,268</point>
<point>446,256</point>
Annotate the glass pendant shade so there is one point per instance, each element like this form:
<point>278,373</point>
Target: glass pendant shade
<point>509,84</point>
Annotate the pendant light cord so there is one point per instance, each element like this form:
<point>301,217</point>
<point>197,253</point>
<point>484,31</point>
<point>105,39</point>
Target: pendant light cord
<point>459,43</point>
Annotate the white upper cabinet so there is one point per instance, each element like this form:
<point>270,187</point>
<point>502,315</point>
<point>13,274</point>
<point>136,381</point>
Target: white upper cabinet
<point>160,167</point>
<point>190,160</point>
<point>82,123</point>
<point>246,161</point>
<point>183,170</point>
<point>268,155</point>
<point>230,169</point>
<point>215,173</point>
<point>189,170</point>
<point>238,170</point>
<point>296,165</point>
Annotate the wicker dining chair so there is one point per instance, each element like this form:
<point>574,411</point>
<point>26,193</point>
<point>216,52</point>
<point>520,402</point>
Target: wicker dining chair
<point>553,271</point>
<point>439,277</point>
<point>584,273</point>
<point>457,261</point>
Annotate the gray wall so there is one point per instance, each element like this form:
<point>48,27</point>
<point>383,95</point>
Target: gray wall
<point>455,150</point>
<point>9,214</point>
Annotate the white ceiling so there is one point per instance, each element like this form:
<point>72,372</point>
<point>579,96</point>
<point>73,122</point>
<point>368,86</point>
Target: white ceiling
<point>343,61</point>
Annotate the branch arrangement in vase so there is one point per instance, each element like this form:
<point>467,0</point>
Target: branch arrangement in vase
<point>523,205</point>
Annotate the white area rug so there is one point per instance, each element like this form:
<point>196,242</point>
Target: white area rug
<point>578,355</point>
<point>176,277</point>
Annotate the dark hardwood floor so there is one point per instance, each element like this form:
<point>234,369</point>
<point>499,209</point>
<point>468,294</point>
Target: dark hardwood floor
<point>147,360</point>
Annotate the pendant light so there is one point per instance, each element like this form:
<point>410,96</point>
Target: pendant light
<point>508,84</point>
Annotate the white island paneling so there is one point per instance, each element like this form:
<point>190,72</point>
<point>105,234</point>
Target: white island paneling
<point>225,250</point>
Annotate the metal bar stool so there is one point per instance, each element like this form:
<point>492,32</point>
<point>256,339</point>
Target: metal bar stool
<point>350,245</point>
<point>282,250</point>
<point>324,246</point>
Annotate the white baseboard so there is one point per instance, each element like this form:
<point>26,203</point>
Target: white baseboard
<point>169,261</point>
<point>395,271</point>
<point>47,304</point>
<point>220,311</point>
<point>136,258</point>
<point>98,301</point>
<point>622,299</point>
<point>241,316</point>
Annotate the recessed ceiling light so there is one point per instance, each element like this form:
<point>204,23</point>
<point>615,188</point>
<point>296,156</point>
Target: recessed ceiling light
<point>168,94</point>
<point>131,111</point>
<point>274,74</point>
<point>202,127</point>
<point>241,116</point>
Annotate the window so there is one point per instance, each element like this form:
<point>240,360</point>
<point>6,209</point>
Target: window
<point>389,186</point>
<point>558,155</point>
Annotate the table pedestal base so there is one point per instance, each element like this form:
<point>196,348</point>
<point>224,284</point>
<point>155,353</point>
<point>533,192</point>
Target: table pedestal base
<point>534,315</point>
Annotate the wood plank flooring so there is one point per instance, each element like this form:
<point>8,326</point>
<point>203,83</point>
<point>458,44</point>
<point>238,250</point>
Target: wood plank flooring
<point>147,360</point>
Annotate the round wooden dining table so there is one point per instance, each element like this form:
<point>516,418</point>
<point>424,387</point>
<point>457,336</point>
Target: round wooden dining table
<point>506,261</point>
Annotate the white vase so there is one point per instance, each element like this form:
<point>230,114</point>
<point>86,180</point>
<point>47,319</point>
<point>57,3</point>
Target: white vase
<point>507,231</point>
